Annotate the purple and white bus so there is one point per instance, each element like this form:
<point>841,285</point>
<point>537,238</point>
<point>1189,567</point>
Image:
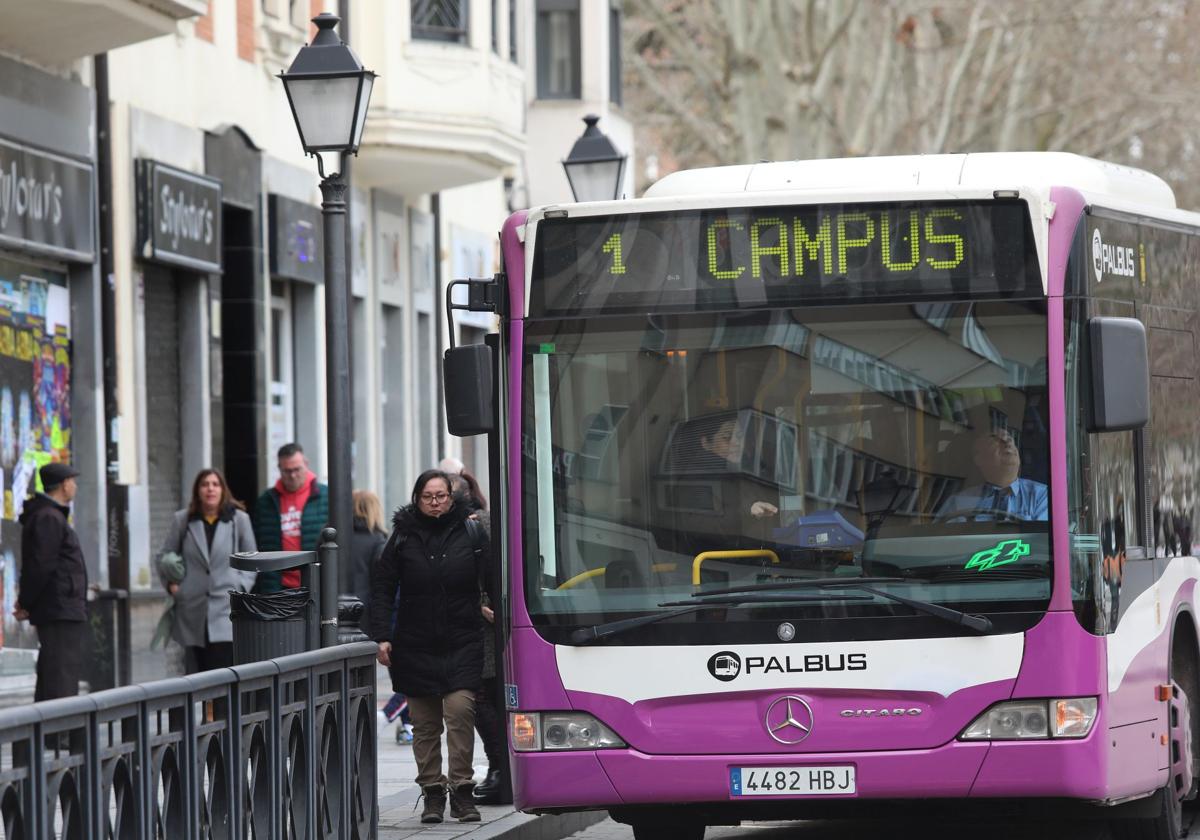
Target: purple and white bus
<point>834,486</point>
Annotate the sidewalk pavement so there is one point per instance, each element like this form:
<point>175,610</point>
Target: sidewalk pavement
<point>400,816</point>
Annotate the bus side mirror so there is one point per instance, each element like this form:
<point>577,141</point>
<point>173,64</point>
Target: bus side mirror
<point>1120,375</point>
<point>467,373</point>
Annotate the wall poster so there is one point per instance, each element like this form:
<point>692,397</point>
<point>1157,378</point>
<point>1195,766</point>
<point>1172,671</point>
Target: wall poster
<point>35,407</point>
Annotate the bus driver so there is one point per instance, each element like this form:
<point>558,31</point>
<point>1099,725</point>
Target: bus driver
<point>998,461</point>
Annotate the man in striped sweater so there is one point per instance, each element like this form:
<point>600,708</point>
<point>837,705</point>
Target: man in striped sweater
<point>289,516</point>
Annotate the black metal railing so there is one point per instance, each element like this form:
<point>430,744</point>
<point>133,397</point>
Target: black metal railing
<point>278,749</point>
<point>439,20</point>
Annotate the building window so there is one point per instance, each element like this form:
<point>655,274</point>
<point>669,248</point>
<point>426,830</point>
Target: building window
<point>496,26</point>
<point>440,20</point>
<point>557,39</point>
<point>512,31</point>
<point>281,419</point>
<point>614,53</point>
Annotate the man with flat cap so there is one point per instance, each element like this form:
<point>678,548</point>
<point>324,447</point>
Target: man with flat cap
<point>52,590</point>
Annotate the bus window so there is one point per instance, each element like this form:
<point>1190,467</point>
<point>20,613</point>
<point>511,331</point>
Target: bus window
<point>735,448</point>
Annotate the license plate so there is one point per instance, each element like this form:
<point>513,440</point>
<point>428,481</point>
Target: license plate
<point>791,781</point>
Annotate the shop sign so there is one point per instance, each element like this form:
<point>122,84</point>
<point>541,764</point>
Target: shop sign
<point>46,203</point>
<point>295,241</point>
<point>179,217</point>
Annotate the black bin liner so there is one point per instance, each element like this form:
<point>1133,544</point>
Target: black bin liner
<point>267,626</point>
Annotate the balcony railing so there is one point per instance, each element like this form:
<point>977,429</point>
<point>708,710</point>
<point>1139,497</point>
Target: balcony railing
<point>280,749</point>
<point>439,20</point>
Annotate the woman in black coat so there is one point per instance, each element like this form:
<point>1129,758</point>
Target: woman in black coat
<point>425,614</point>
<point>366,545</point>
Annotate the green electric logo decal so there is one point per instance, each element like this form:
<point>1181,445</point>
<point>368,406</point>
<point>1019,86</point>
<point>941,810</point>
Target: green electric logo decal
<point>1001,554</point>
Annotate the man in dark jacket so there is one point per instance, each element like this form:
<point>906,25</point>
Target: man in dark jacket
<point>289,516</point>
<point>52,590</point>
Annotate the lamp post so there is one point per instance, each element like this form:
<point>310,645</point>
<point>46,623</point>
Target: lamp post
<point>595,169</point>
<point>328,91</point>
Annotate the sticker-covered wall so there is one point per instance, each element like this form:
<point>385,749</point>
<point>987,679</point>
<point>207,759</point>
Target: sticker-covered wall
<point>35,406</point>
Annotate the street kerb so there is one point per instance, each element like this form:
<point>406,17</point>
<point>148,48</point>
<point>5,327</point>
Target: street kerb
<point>512,826</point>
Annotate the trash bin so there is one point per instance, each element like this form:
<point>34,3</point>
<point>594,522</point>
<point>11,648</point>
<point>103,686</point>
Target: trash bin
<point>267,626</point>
<point>278,624</point>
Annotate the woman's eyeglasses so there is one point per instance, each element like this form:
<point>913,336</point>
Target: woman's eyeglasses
<point>432,498</point>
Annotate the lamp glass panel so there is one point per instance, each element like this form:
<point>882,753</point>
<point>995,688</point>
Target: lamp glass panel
<point>593,181</point>
<point>361,118</point>
<point>324,110</point>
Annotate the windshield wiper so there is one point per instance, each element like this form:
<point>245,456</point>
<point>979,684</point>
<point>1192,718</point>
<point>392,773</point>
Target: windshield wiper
<point>978,623</point>
<point>720,599</point>
<point>972,621</point>
<point>590,635</point>
<point>798,583</point>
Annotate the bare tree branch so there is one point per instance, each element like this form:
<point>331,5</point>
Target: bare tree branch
<point>729,81</point>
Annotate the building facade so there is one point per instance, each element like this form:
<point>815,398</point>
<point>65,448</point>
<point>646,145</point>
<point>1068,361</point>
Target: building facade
<point>200,241</point>
<point>571,76</point>
<point>566,76</point>
<point>53,298</point>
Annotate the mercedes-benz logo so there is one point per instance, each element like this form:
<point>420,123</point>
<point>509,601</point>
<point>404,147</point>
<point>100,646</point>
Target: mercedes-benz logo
<point>789,719</point>
<point>786,631</point>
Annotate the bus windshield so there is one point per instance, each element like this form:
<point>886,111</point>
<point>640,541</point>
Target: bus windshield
<point>670,455</point>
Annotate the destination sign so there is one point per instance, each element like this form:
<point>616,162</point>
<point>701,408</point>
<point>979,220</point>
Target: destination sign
<point>735,258</point>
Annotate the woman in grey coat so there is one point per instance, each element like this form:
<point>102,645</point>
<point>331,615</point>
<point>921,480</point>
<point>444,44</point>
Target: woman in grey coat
<point>213,526</point>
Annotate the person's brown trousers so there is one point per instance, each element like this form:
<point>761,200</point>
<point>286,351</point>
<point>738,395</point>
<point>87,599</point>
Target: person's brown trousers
<point>458,710</point>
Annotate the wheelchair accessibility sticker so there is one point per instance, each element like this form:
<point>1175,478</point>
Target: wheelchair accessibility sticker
<point>1001,554</point>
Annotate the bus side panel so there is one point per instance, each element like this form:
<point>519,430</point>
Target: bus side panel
<point>1135,758</point>
<point>1061,660</point>
<point>1139,650</point>
<point>1138,663</point>
<point>1055,768</point>
<point>561,780</point>
<point>532,673</point>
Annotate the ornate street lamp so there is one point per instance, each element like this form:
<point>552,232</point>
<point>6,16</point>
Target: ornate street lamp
<point>329,91</point>
<point>595,169</point>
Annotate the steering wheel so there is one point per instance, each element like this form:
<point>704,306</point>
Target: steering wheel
<point>977,515</point>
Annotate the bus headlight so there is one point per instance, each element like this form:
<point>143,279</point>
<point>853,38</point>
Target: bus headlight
<point>1022,720</point>
<point>553,731</point>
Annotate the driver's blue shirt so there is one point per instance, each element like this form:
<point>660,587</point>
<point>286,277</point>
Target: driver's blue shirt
<point>1024,499</point>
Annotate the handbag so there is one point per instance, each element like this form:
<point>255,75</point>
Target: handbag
<point>173,570</point>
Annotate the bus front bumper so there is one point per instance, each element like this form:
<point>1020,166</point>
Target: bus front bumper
<point>567,781</point>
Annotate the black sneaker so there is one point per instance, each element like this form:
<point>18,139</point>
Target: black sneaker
<point>462,803</point>
<point>435,804</point>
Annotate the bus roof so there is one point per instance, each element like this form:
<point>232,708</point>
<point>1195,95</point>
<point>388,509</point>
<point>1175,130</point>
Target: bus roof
<point>1100,181</point>
<point>974,175</point>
